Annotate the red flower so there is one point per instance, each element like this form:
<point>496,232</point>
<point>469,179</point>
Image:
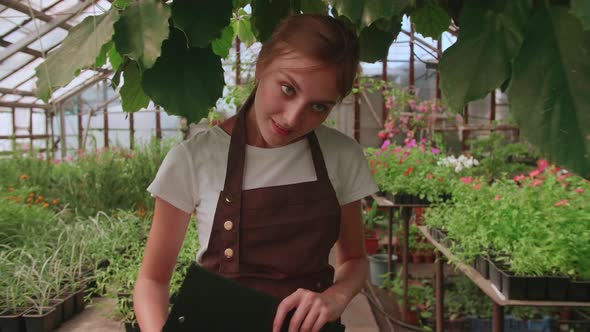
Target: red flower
<point>497,198</point>
<point>534,173</point>
<point>410,169</point>
<point>536,183</point>
<point>477,186</point>
<point>519,178</point>
<point>560,203</point>
<point>579,190</point>
<point>466,180</point>
<point>429,176</point>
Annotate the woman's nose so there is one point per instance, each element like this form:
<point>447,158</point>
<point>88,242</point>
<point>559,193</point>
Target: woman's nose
<point>293,115</point>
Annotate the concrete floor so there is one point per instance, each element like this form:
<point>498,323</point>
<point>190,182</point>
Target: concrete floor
<point>357,317</point>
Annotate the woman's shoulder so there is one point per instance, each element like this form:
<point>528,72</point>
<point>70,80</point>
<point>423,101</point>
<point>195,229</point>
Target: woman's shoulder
<point>207,140</point>
<point>333,140</point>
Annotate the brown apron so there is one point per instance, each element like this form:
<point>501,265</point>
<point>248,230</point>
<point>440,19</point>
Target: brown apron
<point>273,239</point>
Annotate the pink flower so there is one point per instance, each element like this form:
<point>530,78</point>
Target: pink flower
<point>497,198</point>
<point>411,143</point>
<point>389,126</point>
<point>579,190</point>
<point>542,164</point>
<point>382,135</point>
<point>385,144</point>
<point>435,151</point>
<point>422,108</point>
<point>536,183</point>
<point>477,186</point>
<point>419,117</point>
<point>534,173</point>
<point>398,149</point>
<point>389,103</point>
<point>429,176</point>
<point>56,161</point>
<point>467,180</point>
<point>519,178</point>
<point>560,203</point>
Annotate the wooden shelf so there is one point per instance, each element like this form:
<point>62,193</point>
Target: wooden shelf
<point>486,285</point>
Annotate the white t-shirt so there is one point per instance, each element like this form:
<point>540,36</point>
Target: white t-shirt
<point>192,174</point>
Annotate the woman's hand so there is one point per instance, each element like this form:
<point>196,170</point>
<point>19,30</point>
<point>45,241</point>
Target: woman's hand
<point>313,311</point>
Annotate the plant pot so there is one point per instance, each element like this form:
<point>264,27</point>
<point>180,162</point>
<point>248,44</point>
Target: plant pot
<point>578,290</point>
<point>69,306</point>
<point>557,288</point>
<point>378,267</point>
<point>58,305</point>
<point>416,257</point>
<point>79,303</point>
<point>429,257</point>
<point>44,322</point>
<point>12,321</point>
<point>523,288</point>
<point>132,327</point>
<point>411,318</point>
<point>371,245</point>
<point>481,265</point>
<point>495,275</point>
<point>405,199</point>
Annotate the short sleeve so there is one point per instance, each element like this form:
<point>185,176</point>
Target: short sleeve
<point>174,180</point>
<point>356,180</point>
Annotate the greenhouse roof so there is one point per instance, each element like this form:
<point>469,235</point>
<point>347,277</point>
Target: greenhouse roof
<point>29,30</point>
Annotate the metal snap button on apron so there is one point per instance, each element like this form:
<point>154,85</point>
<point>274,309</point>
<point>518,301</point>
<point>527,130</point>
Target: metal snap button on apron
<point>228,225</point>
<point>181,319</point>
<point>229,253</point>
<point>229,198</point>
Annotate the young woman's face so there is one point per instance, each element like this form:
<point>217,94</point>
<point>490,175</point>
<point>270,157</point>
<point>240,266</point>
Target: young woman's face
<point>291,100</point>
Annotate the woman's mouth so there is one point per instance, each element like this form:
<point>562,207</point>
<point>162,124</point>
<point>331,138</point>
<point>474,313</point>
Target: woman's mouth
<point>279,130</point>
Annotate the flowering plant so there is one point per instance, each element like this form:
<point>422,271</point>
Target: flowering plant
<point>536,223</point>
<point>412,169</point>
<point>458,164</point>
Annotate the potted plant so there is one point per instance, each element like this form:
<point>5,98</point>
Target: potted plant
<point>370,235</point>
<point>378,268</point>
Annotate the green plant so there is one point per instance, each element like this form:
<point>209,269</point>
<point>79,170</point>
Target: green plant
<point>527,223</point>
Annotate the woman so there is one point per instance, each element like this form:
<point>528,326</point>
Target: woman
<point>272,188</point>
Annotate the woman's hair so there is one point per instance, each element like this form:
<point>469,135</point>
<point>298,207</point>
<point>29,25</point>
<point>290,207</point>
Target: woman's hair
<point>320,37</point>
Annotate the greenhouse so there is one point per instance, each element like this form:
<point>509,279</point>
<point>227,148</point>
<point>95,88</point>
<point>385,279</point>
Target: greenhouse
<point>312,165</point>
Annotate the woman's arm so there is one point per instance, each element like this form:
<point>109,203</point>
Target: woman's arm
<point>352,266</point>
<point>151,292</point>
<point>313,309</point>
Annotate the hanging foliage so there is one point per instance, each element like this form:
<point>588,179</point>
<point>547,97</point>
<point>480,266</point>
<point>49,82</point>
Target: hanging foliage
<point>539,50</point>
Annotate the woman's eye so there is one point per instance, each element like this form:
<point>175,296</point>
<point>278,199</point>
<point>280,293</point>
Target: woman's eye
<point>288,90</point>
<point>319,107</point>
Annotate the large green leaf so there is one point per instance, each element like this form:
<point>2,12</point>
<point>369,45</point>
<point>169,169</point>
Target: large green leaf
<point>185,81</point>
<point>375,41</point>
<point>121,3</point>
<point>78,50</point>
<point>549,91</point>
<point>314,6</point>
<point>491,35</point>
<point>222,45</point>
<point>115,57</point>
<point>430,19</point>
<point>141,30</point>
<point>266,15</point>
<point>132,96</point>
<point>365,12</point>
<point>202,21</point>
<point>581,8</point>
<point>243,29</point>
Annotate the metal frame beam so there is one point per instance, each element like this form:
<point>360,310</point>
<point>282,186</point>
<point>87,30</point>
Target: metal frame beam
<point>54,23</point>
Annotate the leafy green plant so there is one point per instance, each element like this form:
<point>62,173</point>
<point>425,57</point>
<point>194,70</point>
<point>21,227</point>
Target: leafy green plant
<point>527,223</point>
